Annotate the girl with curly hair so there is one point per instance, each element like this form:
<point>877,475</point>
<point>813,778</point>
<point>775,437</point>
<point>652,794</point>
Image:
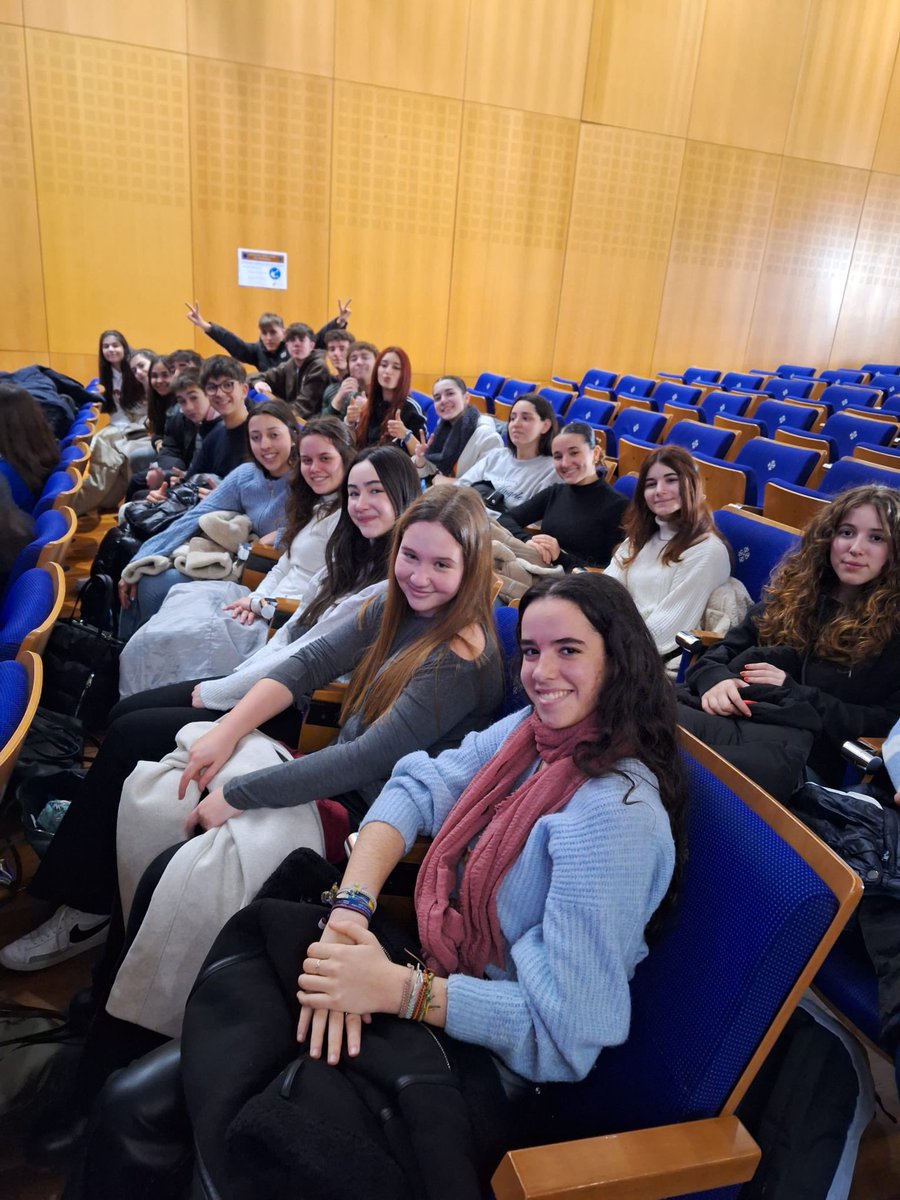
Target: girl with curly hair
<point>673,558</point>
<point>818,661</point>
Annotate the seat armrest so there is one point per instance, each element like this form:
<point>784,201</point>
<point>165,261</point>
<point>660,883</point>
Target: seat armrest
<point>695,640</point>
<point>643,1164</point>
<point>864,753</point>
<point>572,383</point>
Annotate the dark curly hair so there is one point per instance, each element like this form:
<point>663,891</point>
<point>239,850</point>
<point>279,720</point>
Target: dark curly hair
<point>862,627</point>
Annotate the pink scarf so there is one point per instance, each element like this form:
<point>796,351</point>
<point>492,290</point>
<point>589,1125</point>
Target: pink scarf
<point>467,937</point>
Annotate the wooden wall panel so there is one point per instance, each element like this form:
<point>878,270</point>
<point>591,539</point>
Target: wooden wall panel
<point>717,252</point>
<point>623,207</point>
<point>534,62</point>
<point>115,224</point>
<point>293,35</point>
<point>392,213</point>
<point>23,320</point>
<point>811,238</point>
<point>160,24</point>
<point>746,77</point>
<point>844,81</point>
<point>11,12</point>
<point>869,324</point>
<point>261,166</point>
<point>887,152</point>
<point>414,45</point>
<point>642,63</point>
<point>83,366</point>
<point>515,185</point>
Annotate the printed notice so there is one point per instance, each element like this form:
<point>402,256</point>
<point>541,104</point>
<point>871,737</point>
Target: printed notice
<point>262,269</point>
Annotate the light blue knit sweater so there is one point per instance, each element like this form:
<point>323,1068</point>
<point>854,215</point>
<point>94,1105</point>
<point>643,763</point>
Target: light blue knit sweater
<point>572,909</point>
<point>245,490</point>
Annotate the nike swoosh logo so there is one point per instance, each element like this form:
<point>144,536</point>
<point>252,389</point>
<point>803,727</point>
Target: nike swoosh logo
<point>77,934</point>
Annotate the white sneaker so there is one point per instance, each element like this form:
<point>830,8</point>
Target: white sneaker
<point>67,933</point>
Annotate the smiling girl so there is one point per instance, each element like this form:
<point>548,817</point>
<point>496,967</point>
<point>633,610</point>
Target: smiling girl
<point>823,647</point>
<point>581,516</point>
<point>169,648</point>
<point>463,435</point>
<point>673,558</point>
<point>123,394</point>
<point>508,476</point>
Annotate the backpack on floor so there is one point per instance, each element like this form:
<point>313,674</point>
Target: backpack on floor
<point>38,1051</point>
<point>807,1108</point>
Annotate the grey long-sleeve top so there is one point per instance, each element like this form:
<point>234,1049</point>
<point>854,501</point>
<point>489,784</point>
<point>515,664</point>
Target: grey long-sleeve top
<point>446,698</point>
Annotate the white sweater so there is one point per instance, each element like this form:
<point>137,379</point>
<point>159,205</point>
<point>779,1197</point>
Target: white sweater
<point>303,559</point>
<point>674,597</point>
<point>484,439</point>
<point>517,479</point>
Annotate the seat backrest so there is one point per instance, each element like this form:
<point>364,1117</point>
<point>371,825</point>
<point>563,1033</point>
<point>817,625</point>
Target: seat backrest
<point>693,436</point>
<point>557,398</point>
<point>626,485</point>
<point>842,375</point>
<point>847,428</point>
<point>676,393</point>
<point>487,384</point>
<point>769,459</point>
<point>633,385</point>
<point>703,375</point>
<point>757,546</point>
<point>797,389</point>
<point>51,526</point>
<point>891,405</point>
<point>729,404</point>
<point>760,904</point>
<point>514,697</point>
<point>595,412</point>
<point>843,395</point>
<point>881,368</point>
<point>638,423</point>
<point>512,389</point>
<point>20,692</point>
<point>595,378</point>
<point>738,381</point>
<point>887,384</point>
<point>27,606</point>
<point>854,472</point>
<point>772,415</point>
<point>792,371</point>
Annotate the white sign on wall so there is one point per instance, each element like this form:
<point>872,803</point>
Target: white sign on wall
<point>262,268</point>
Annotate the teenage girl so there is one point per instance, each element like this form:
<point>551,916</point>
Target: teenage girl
<point>580,515</point>
<point>818,661</point>
<point>258,489</point>
<point>672,559</point>
<point>509,476</point>
<point>388,414</point>
<point>463,435</point>
<point>28,450</point>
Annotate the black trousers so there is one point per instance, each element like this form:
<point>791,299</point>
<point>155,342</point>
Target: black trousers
<point>79,867</point>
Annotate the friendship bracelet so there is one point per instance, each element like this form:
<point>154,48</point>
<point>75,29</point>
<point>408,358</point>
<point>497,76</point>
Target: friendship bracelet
<point>350,897</point>
<point>407,989</point>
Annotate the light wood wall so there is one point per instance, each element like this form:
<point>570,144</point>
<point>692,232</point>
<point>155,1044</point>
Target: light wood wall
<point>527,186</point>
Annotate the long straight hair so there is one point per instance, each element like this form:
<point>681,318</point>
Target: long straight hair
<point>353,561</point>
<point>692,523</point>
<point>302,500</point>
<point>379,411</point>
<point>380,678</point>
<point>132,396</point>
<point>26,442</point>
<point>159,407</point>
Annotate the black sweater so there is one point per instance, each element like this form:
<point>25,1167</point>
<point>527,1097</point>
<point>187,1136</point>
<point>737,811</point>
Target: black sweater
<point>863,700</point>
<point>586,520</point>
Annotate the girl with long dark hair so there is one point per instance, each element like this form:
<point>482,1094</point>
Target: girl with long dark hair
<point>123,394</point>
<point>673,558</point>
<point>28,450</point>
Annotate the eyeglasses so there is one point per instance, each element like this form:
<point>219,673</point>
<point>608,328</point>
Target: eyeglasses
<point>225,386</point>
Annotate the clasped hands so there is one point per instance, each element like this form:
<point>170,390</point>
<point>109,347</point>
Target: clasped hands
<point>724,698</point>
<point>346,976</point>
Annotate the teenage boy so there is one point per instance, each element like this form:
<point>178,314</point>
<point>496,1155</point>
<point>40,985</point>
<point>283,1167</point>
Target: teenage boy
<point>360,363</point>
<point>187,425</point>
<point>264,354</point>
<point>224,384</point>
<point>337,347</point>
<point>302,380</point>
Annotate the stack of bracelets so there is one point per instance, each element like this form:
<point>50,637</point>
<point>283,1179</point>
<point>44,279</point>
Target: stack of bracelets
<point>352,898</point>
<point>416,999</point>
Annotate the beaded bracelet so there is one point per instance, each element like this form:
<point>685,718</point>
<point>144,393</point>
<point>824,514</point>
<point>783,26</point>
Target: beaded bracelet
<point>416,999</point>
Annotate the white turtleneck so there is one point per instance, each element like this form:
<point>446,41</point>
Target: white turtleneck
<point>673,597</point>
